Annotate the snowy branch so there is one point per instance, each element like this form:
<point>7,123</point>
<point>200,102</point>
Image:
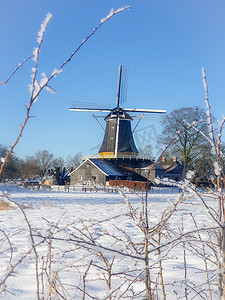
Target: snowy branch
<point>35,88</point>
<point>20,65</point>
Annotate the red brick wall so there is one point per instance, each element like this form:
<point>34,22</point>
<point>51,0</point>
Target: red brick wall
<point>134,185</point>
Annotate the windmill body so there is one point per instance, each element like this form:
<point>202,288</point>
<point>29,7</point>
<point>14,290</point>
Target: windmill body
<point>118,139</point>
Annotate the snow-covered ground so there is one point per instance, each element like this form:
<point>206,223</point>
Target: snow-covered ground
<point>83,239</point>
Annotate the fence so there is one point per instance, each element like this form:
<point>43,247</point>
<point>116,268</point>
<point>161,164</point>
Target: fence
<point>87,188</point>
<point>111,189</point>
<point>84,188</point>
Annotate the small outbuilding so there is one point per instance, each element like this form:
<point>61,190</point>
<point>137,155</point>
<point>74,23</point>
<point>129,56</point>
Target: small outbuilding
<point>96,171</point>
<point>101,171</point>
<point>173,169</point>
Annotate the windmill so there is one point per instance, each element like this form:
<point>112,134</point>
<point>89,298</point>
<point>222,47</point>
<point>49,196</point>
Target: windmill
<point>118,140</point>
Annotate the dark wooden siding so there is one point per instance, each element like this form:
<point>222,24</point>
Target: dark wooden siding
<point>87,172</point>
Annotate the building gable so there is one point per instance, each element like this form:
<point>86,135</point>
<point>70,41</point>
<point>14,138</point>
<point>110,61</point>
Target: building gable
<point>82,165</point>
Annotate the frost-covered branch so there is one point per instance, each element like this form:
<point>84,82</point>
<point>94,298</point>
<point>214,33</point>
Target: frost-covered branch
<point>20,65</point>
<point>31,237</point>
<point>193,125</point>
<point>93,246</point>
<point>35,87</point>
<point>216,145</point>
<point>209,114</point>
<point>181,236</point>
<point>107,18</point>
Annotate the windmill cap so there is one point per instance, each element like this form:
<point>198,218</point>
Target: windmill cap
<point>118,112</point>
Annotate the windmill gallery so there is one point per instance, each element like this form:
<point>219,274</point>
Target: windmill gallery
<point>118,161</point>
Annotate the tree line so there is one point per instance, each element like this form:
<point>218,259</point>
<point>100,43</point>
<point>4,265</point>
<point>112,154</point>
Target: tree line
<point>40,164</point>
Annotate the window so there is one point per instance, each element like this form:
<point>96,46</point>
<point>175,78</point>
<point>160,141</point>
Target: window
<point>94,179</point>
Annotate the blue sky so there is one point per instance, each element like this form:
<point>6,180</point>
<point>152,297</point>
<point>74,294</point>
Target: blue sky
<point>164,43</point>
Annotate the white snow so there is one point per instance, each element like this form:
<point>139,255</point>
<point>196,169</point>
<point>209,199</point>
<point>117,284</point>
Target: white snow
<point>43,27</point>
<point>204,81</point>
<point>35,54</point>
<point>112,12</point>
<point>217,168</point>
<point>56,72</point>
<point>80,228</point>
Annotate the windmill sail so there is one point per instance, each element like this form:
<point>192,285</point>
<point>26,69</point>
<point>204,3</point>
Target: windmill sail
<point>118,87</point>
<point>84,106</point>
<point>123,89</point>
<point>138,110</point>
<point>118,139</point>
<point>121,86</point>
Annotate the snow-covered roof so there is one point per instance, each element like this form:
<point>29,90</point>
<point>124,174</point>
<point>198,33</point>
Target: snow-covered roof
<point>106,167</point>
<point>177,169</point>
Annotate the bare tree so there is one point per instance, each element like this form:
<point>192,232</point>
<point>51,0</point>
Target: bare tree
<point>188,145</point>
<point>146,151</point>
<point>74,161</point>
<point>59,163</point>
<point>30,167</point>
<point>44,161</point>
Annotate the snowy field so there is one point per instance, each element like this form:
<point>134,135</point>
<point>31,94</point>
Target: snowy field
<point>91,245</point>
